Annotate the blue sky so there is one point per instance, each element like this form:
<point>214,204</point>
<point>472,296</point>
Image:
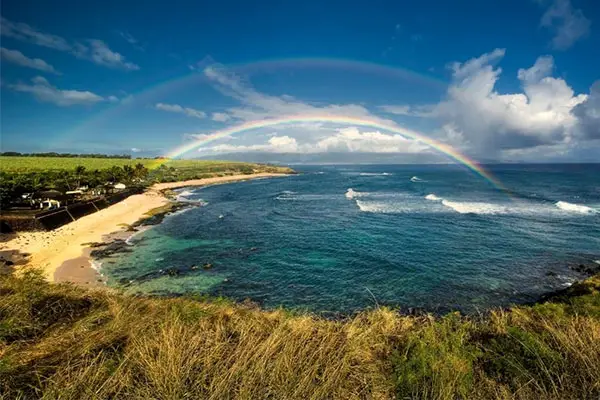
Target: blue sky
<point>508,80</point>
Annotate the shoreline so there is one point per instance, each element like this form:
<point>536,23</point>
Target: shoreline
<point>64,253</point>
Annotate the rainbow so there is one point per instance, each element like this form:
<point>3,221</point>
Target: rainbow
<point>442,148</point>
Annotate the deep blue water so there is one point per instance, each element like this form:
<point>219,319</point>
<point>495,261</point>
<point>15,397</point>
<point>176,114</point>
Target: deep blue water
<point>446,239</point>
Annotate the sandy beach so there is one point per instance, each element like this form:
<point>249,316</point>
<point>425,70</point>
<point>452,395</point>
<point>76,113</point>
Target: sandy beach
<point>63,254</point>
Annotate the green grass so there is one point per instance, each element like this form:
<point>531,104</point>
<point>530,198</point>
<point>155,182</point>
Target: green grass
<point>60,341</point>
<point>32,164</point>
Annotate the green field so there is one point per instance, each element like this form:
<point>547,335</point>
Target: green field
<point>32,164</point>
<point>22,175</point>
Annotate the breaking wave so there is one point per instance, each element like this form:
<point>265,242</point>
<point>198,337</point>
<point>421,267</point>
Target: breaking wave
<point>351,194</point>
<point>563,205</point>
<point>475,207</point>
<point>433,197</point>
<point>374,174</point>
<point>416,179</point>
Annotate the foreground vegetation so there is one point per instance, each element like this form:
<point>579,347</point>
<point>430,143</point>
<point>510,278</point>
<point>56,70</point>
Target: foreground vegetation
<point>20,175</point>
<point>59,341</point>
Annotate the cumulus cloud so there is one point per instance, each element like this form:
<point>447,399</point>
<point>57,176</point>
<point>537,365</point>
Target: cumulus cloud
<point>16,57</point>
<point>93,49</point>
<point>176,108</point>
<point>45,92</point>
<point>588,114</point>
<point>349,139</point>
<point>487,121</point>
<point>567,23</point>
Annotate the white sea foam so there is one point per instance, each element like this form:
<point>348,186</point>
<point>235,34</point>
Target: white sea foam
<point>184,198</point>
<point>96,265</point>
<point>416,179</point>
<point>563,205</point>
<point>380,207</point>
<point>374,174</point>
<point>139,230</point>
<point>433,197</point>
<point>463,207</point>
<point>351,194</point>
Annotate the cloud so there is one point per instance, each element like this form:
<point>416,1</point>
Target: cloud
<point>588,114</point>
<point>568,24</point>
<point>135,150</point>
<point>220,117</point>
<point>92,49</point>
<point>26,33</point>
<point>99,53</point>
<point>483,119</point>
<point>257,105</point>
<point>45,92</point>
<point>16,57</point>
<point>349,139</point>
<point>131,40</point>
<point>408,110</point>
<point>176,108</point>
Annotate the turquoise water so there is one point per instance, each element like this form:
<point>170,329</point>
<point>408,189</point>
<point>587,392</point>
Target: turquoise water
<point>437,238</point>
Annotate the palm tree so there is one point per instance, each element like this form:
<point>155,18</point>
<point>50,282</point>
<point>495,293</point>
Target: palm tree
<point>140,171</point>
<point>129,172</point>
<point>79,171</point>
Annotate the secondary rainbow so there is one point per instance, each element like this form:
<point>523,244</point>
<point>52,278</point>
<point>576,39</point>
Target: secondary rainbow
<point>443,148</point>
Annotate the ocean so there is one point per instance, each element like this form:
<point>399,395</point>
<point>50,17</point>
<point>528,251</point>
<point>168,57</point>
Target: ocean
<point>338,239</point>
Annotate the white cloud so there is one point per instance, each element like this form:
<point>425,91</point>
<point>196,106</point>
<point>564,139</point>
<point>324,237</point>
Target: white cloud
<point>352,140</point>
<point>99,53</point>
<point>95,50</point>
<point>257,106</point>
<point>43,91</point>
<point>408,110</point>
<point>488,121</point>
<point>349,139</point>
<point>176,108</point>
<point>588,114</point>
<point>135,150</point>
<point>220,117</point>
<point>16,57</point>
<point>26,33</point>
<point>568,24</point>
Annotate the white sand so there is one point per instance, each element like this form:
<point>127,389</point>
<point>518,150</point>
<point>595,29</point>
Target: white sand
<point>49,250</point>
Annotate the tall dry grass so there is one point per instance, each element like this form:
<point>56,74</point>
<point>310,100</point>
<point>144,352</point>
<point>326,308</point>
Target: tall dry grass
<point>58,341</point>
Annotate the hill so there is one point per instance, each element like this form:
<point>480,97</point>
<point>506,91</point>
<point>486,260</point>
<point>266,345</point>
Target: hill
<point>60,341</point>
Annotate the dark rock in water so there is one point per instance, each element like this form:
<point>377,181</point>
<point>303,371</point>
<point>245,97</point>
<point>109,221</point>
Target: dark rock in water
<point>207,266</point>
<point>172,271</point>
<point>586,269</point>
<point>551,273</point>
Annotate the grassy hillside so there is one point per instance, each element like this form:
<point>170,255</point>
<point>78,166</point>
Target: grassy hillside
<point>59,341</point>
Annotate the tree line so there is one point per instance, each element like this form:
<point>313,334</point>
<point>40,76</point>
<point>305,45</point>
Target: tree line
<point>64,155</point>
<point>13,186</point>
